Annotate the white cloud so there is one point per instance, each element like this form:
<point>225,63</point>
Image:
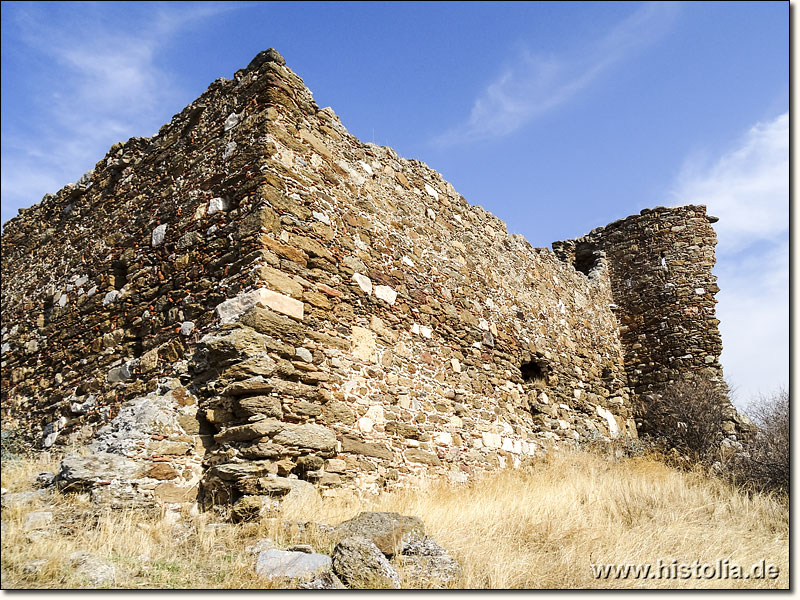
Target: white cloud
<point>535,83</point>
<point>748,188</point>
<point>101,82</point>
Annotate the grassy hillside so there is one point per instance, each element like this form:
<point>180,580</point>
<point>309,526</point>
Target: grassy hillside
<point>541,528</point>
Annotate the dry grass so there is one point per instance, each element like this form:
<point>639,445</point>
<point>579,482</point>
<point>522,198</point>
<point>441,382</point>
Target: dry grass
<point>537,529</point>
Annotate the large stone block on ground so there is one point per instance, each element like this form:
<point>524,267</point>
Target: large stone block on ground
<point>360,564</point>
<point>280,564</point>
<point>425,564</point>
<point>385,529</point>
<point>85,471</point>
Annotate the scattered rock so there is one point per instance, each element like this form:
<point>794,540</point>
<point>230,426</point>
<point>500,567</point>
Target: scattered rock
<point>97,572</point>
<point>426,564</point>
<point>385,529</point>
<point>360,564</point>
<point>260,546</point>
<point>300,566</point>
<point>83,471</point>
<point>34,567</point>
<point>39,519</point>
<point>17,499</point>
<point>45,479</point>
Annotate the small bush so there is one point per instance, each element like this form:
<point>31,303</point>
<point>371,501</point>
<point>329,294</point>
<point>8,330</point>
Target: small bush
<point>688,416</point>
<point>768,463</point>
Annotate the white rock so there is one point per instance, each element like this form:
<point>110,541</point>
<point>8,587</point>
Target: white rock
<point>110,297</point>
<point>431,192</point>
<point>304,354</point>
<point>215,205</point>
<point>385,293</point>
<point>230,148</point>
<point>425,331</point>
<point>63,300</point>
<point>443,438</point>
<point>229,311</point>
<point>281,564</point>
<point>187,327</point>
<point>613,427</point>
<point>408,262</point>
<point>375,413</point>
<point>431,214</point>
<point>456,364</point>
<point>483,324</point>
<point>491,440</point>
<point>365,424</point>
<point>364,282</point>
<point>321,217</point>
<point>38,519</point>
<point>157,237</point>
<point>232,121</point>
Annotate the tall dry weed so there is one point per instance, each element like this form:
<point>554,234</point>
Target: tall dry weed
<point>539,528</point>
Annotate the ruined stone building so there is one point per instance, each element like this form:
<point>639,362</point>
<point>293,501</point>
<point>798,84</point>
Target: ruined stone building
<point>253,295</point>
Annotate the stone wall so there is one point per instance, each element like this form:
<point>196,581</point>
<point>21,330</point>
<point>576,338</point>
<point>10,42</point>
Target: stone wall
<point>660,268</point>
<point>313,306</point>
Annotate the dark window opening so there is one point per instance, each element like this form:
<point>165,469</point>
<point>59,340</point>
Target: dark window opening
<point>120,272</point>
<point>534,371</point>
<point>587,258</point>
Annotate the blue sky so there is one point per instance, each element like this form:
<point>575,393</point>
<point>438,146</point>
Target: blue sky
<point>557,117</point>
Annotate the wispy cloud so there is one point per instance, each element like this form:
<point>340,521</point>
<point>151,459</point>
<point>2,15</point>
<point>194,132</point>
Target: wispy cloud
<point>748,188</point>
<point>101,81</point>
<point>535,83</point>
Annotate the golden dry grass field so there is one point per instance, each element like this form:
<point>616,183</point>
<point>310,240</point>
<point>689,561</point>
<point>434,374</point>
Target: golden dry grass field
<point>539,528</point>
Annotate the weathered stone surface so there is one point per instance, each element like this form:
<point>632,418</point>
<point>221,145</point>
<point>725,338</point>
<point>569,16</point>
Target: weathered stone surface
<point>268,406</point>
<point>425,564</point>
<point>261,366</point>
<point>251,431</point>
<point>356,446</point>
<point>363,344</point>
<point>81,471</point>
<point>268,322</point>
<point>313,437</point>
<point>95,571</point>
<point>421,456</point>
<point>161,471</point>
<point>280,564</point>
<point>360,564</point>
<point>38,519</point>
<point>385,529</point>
